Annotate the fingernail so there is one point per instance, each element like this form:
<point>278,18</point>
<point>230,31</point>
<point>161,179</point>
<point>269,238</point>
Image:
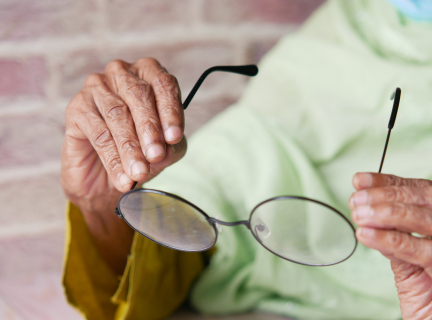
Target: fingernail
<point>356,180</point>
<point>362,212</point>
<point>367,232</point>
<point>360,198</point>
<point>155,151</point>
<point>173,133</point>
<point>124,180</point>
<point>138,168</point>
<point>365,180</point>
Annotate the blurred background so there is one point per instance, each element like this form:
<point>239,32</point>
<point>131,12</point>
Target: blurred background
<point>47,47</point>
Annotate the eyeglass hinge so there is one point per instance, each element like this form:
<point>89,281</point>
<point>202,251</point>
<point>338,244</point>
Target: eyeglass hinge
<point>118,213</point>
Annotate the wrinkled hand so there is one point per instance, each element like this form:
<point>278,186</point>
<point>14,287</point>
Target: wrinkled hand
<point>387,210</point>
<point>125,125</point>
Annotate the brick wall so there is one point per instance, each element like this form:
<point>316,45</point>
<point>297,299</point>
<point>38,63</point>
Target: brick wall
<point>47,47</point>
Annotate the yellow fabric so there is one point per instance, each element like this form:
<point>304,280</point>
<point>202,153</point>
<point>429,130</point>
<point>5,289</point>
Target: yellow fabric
<point>155,283</point>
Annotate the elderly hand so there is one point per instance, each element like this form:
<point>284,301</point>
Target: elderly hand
<point>125,125</point>
<point>388,209</point>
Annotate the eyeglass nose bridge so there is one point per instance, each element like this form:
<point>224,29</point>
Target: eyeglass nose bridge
<point>230,224</point>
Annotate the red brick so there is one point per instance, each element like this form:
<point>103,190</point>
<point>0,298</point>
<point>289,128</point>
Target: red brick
<point>268,11</point>
<point>34,200</point>
<point>186,61</point>
<point>22,77</point>
<point>22,255</point>
<point>27,19</point>
<point>30,139</point>
<point>148,15</point>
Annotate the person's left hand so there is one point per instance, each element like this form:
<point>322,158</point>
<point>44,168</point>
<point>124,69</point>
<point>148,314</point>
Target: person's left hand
<point>387,210</point>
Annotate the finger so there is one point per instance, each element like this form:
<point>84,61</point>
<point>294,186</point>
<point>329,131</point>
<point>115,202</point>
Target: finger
<point>408,195</point>
<point>122,128</point>
<point>174,153</point>
<point>96,131</point>
<point>139,97</point>
<point>398,244</point>
<point>403,217</point>
<point>169,106</point>
<point>366,180</point>
<point>167,96</point>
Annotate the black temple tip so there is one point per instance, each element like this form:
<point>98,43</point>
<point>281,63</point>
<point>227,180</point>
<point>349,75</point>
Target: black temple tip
<point>396,96</point>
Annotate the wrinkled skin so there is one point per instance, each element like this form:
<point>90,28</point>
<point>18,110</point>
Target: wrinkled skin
<point>387,210</point>
<point>125,125</point>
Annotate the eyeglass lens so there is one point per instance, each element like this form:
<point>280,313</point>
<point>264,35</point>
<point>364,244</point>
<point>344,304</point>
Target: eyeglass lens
<point>303,231</point>
<point>168,221</point>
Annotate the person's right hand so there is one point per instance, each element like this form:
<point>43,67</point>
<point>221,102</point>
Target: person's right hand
<point>125,125</point>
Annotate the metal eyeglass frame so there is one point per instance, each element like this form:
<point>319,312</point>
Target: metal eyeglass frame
<point>251,70</point>
<point>247,223</point>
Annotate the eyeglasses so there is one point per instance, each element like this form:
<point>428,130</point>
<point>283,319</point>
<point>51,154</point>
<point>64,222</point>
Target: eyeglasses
<point>294,228</point>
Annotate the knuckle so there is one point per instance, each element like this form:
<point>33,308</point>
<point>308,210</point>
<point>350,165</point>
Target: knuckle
<point>423,183</point>
<point>113,163</point>
<point>392,180</point>
<point>139,90</point>
<point>391,194</point>
<point>403,194</point>
<point>93,79</point>
<point>116,112</point>
<point>129,145</point>
<point>115,65</point>
<point>396,241</point>
<point>148,61</point>
<point>165,80</point>
<point>150,127</point>
<point>101,137</point>
<point>167,111</point>
<point>168,84</point>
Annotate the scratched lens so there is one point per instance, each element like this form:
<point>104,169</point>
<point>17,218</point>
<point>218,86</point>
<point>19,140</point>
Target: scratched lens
<point>167,220</point>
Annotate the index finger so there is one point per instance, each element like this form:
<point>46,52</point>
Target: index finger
<point>367,180</point>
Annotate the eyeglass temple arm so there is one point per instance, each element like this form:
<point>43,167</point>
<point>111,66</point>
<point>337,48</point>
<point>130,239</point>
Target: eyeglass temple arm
<point>247,70</point>
<point>396,96</point>
<point>250,70</point>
